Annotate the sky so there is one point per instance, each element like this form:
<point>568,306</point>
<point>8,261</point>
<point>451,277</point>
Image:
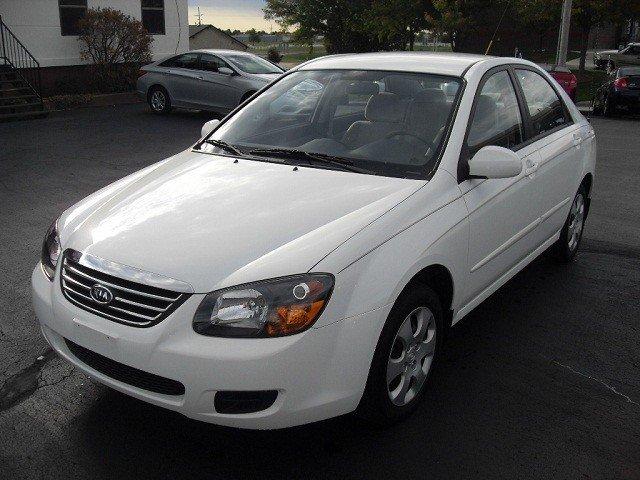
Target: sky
<point>233,14</point>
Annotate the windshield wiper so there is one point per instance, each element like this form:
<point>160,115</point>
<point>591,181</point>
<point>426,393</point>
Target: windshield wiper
<point>224,146</point>
<point>332,160</point>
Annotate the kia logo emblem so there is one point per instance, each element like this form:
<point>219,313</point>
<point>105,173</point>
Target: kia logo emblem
<point>101,294</point>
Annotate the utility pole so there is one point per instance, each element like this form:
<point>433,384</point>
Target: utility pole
<point>563,37</point>
<point>199,16</point>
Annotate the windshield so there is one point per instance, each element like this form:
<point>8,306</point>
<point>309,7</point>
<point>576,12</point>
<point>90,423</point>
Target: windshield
<point>252,64</point>
<point>385,123</point>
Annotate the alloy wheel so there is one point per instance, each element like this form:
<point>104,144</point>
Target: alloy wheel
<point>576,222</point>
<point>411,356</point>
<point>158,101</point>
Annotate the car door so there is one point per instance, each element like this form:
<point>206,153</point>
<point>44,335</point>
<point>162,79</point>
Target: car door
<point>558,140</point>
<point>217,90</point>
<point>503,213</point>
<point>181,78</point>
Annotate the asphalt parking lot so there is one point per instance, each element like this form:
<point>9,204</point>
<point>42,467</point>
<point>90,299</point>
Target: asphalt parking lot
<point>540,381</point>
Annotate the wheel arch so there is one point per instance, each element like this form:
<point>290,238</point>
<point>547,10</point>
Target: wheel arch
<point>587,183</point>
<point>153,86</point>
<point>246,95</point>
<point>439,279</point>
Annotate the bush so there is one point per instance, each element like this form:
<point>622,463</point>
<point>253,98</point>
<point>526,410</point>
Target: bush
<point>274,56</point>
<point>117,45</point>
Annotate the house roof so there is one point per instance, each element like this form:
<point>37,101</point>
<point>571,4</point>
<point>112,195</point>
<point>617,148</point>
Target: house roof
<point>196,29</point>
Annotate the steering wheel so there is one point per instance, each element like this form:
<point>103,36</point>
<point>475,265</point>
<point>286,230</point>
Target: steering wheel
<point>407,134</point>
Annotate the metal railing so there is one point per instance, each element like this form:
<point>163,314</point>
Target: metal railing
<point>15,55</point>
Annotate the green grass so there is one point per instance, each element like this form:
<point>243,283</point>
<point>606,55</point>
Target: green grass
<point>588,82</point>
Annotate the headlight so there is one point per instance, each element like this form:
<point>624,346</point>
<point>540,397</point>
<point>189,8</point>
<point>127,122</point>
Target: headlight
<point>50,251</point>
<point>270,308</point>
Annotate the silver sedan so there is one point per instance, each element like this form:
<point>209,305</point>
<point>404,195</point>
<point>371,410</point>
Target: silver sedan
<point>216,80</point>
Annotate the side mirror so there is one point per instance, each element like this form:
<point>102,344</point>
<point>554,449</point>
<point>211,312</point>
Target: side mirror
<point>495,162</point>
<point>208,127</point>
<point>225,71</point>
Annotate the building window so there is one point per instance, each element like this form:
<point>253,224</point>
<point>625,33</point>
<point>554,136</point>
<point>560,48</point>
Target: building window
<point>153,16</point>
<point>71,12</point>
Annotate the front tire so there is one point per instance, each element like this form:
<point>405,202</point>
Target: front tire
<point>567,246</point>
<point>406,353</point>
<point>159,100</point>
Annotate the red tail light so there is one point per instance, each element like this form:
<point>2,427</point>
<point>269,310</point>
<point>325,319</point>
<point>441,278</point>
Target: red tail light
<point>622,82</point>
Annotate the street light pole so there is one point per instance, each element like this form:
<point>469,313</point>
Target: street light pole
<point>563,37</point>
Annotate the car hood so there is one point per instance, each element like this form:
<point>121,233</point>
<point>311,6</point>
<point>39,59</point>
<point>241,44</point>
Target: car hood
<point>214,222</point>
<point>604,53</point>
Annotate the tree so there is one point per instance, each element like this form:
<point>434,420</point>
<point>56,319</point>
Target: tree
<point>589,14</point>
<point>254,36</point>
<point>351,26</point>
<point>460,21</point>
<point>116,44</point>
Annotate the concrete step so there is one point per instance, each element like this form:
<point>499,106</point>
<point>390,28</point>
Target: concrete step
<point>7,117</point>
<point>21,107</point>
<point>5,99</point>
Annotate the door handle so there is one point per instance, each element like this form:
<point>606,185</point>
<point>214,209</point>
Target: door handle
<point>577,139</point>
<point>199,77</point>
<point>530,167</point>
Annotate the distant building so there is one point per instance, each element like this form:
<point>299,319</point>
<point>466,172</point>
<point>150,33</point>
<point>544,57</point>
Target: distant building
<point>208,36</point>
<point>48,29</point>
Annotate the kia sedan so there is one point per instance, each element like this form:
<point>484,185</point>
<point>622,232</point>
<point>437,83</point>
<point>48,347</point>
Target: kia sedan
<point>216,80</point>
<point>306,257</point>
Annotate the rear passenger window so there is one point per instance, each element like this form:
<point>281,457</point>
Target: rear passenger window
<point>187,60</point>
<point>545,106</point>
<point>496,119</point>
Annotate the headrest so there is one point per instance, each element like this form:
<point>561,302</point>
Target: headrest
<point>403,85</point>
<point>384,107</point>
<point>430,95</point>
<point>363,88</point>
<point>486,109</point>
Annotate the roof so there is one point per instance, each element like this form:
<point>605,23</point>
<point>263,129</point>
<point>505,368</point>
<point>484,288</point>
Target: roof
<point>453,64</point>
<point>196,29</point>
<point>222,51</point>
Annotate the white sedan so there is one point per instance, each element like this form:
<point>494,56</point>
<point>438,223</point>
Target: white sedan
<point>306,257</point>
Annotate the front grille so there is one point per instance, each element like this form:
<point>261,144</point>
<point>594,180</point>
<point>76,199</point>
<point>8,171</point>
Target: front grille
<point>132,303</point>
<point>124,373</point>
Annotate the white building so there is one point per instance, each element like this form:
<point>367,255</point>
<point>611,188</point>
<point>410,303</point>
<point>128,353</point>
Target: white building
<point>48,28</point>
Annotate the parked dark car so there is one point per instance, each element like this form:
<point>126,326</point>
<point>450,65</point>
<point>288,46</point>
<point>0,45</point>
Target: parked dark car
<point>620,91</point>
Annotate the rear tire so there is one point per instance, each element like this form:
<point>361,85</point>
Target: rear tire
<point>596,108</point>
<point>405,356</point>
<point>566,248</point>
<point>159,100</point>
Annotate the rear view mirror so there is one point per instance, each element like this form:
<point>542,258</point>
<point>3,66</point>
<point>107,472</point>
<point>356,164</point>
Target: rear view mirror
<point>208,127</point>
<point>225,71</point>
<point>495,162</point>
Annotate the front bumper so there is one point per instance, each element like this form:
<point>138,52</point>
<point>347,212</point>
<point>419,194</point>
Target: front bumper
<point>320,373</point>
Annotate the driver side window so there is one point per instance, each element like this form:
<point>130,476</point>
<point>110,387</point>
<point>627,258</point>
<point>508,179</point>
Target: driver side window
<point>496,119</point>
